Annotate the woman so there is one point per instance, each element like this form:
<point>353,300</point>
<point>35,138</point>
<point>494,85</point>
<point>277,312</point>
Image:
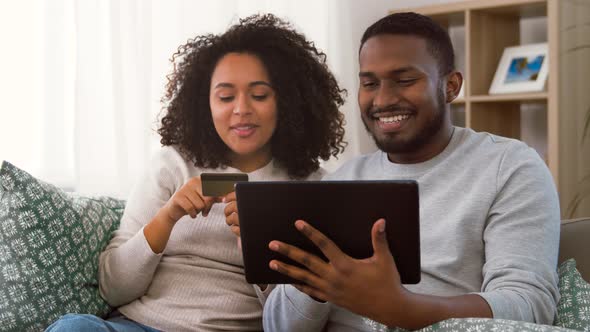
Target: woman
<point>257,99</point>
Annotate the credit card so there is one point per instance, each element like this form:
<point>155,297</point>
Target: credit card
<point>220,184</point>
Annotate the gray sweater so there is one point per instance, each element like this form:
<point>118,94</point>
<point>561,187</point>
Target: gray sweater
<point>489,224</point>
<point>197,283</point>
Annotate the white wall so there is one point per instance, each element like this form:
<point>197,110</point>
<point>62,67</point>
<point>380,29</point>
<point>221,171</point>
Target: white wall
<point>20,85</point>
<point>37,52</point>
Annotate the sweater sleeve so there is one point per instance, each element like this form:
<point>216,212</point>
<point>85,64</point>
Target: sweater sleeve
<point>127,265</point>
<point>521,241</point>
<point>288,309</point>
<point>263,294</point>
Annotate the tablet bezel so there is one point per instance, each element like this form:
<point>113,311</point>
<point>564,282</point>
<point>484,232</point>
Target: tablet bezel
<point>269,209</point>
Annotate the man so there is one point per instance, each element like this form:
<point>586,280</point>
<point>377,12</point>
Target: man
<point>488,206</point>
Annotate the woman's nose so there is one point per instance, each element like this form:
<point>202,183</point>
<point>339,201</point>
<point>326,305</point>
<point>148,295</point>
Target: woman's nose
<point>242,106</point>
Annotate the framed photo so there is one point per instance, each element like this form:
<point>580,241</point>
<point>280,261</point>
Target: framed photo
<point>521,69</point>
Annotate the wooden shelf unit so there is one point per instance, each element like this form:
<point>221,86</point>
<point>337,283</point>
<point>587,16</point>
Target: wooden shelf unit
<point>492,25</point>
<point>540,96</point>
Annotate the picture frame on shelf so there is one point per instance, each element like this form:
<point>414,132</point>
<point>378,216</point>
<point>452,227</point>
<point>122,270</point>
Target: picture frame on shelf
<point>522,68</point>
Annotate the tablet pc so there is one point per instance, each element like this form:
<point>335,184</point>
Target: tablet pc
<point>344,211</point>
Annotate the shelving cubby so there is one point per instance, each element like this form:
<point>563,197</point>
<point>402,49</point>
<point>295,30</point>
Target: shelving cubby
<point>553,121</point>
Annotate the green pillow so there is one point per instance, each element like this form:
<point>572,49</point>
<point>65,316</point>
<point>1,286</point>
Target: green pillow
<point>573,309</point>
<point>50,241</point>
<point>489,324</point>
<point>474,324</point>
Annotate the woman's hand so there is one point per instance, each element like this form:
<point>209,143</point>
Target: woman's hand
<point>233,221</point>
<point>188,200</point>
<point>231,215</point>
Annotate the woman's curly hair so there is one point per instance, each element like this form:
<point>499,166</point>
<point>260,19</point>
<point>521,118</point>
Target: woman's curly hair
<point>309,125</point>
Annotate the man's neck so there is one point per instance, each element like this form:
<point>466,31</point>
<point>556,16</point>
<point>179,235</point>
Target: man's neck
<point>437,144</point>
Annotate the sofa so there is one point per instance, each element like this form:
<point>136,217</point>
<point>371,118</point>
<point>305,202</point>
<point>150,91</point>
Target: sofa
<point>575,243</point>
<point>574,305</point>
<point>50,241</point>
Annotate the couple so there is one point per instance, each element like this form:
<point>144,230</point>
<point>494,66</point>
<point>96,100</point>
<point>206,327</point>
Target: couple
<point>259,99</point>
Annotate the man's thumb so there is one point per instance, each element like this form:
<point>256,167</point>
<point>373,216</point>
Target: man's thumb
<point>379,239</point>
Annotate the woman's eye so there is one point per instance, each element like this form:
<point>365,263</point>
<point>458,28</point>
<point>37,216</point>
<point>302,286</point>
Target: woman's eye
<point>259,97</point>
<point>226,99</point>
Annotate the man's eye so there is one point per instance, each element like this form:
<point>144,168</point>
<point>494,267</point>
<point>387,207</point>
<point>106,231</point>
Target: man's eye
<point>369,84</point>
<point>259,97</point>
<point>406,82</point>
<point>226,99</point>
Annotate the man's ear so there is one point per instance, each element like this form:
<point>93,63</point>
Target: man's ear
<point>453,86</point>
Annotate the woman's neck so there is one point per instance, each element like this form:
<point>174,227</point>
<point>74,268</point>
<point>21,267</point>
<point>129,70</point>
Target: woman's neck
<point>250,163</point>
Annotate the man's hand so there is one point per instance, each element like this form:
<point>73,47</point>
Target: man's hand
<point>369,287</point>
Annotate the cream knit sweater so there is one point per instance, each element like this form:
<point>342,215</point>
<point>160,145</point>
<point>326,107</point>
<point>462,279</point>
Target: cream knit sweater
<point>197,283</point>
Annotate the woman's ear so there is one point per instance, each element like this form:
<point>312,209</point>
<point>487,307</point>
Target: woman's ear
<point>454,83</point>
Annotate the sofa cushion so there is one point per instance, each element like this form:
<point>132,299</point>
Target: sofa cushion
<point>489,324</point>
<point>50,241</point>
<point>573,243</point>
<point>573,309</point>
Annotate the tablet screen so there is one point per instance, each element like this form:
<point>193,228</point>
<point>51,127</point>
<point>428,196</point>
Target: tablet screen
<point>344,211</point>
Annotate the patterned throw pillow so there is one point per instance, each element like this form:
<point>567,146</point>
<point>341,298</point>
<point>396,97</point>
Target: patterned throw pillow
<point>49,247</point>
<point>573,310</point>
<point>477,325</point>
<point>489,324</point>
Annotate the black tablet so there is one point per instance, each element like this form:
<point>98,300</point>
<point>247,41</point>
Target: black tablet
<point>345,211</point>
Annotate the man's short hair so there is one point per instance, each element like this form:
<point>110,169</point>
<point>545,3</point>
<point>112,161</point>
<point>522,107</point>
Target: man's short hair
<point>437,38</point>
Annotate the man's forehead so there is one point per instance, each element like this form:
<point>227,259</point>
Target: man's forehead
<point>389,49</point>
<point>392,43</point>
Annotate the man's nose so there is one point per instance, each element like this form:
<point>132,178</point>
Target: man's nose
<point>386,95</point>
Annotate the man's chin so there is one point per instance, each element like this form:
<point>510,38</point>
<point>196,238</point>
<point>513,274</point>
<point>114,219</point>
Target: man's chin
<point>389,145</point>
<point>391,142</point>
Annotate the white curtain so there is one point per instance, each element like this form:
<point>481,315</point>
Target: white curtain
<point>84,95</point>
<point>112,92</point>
